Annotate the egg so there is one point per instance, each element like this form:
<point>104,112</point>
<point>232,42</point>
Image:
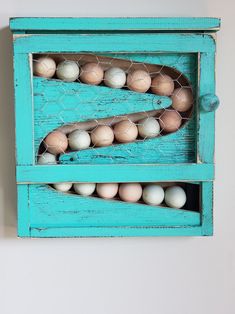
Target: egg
<point>107,190</point>
<point>92,73</point>
<point>115,78</point>
<point>84,189</point>
<point>170,121</point>
<point>47,159</point>
<point>62,186</point>
<point>102,135</point>
<point>182,99</point>
<point>139,81</point>
<point>79,139</point>
<point>162,84</point>
<point>56,142</point>
<point>153,194</point>
<point>148,127</point>
<point>175,196</point>
<point>67,71</point>
<point>130,192</point>
<point>125,131</point>
<point>44,67</point>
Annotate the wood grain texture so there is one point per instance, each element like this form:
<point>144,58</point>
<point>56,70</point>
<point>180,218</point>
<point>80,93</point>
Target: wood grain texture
<point>112,24</point>
<point>114,173</point>
<point>114,43</point>
<point>43,212</point>
<point>57,103</point>
<point>23,217</point>
<point>207,206</point>
<point>50,208</point>
<point>23,110</point>
<point>206,132</point>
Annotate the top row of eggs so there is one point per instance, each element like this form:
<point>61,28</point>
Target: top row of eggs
<point>114,77</point>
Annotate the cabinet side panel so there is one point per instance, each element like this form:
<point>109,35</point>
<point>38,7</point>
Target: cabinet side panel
<point>23,109</point>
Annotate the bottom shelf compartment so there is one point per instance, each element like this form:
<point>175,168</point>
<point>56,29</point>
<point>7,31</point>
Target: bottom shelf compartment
<point>46,212</point>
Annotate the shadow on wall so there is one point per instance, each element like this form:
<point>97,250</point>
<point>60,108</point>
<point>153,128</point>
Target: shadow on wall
<point>7,138</point>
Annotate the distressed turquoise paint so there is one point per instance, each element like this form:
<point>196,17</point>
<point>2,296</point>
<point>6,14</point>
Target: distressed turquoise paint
<point>114,24</point>
<point>206,132</point>
<point>153,42</point>
<point>207,206</point>
<point>23,210</point>
<point>57,103</point>
<point>115,173</point>
<point>115,232</point>
<point>23,110</point>
<point>115,43</point>
<point>50,208</point>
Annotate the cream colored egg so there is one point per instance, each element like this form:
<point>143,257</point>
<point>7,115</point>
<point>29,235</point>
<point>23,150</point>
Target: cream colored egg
<point>125,131</point>
<point>130,192</point>
<point>162,84</point>
<point>107,190</point>
<point>47,159</point>
<point>148,127</point>
<point>92,73</point>
<point>68,71</point>
<point>62,186</point>
<point>56,142</point>
<point>115,77</point>
<point>84,189</point>
<point>102,136</point>
<point>170,121</point>
<point>182,99</point>
<point>79,139</point>
<point>44,67</point>
<point>139,81</point>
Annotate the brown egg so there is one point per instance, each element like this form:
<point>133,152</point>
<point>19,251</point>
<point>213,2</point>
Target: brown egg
<point>102,136</point>
<point>56,142</point>
<point>170,121</point>
<point>130,192</point>
<point>125,131</point>
<point>163,85</point>
<point>107,190</point>
<point>139,81</point>
<point>182,99</point>
<point>91,73</point>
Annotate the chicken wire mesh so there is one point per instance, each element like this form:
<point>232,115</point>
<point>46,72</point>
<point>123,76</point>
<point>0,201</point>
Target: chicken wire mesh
<point>176,78</point>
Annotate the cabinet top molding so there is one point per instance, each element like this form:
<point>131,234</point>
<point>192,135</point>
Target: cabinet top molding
<point>50,24</point>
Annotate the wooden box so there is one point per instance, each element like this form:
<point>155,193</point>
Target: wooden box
<point>183,48</point>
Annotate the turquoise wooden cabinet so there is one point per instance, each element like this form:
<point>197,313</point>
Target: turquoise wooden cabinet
<point>182,48</point>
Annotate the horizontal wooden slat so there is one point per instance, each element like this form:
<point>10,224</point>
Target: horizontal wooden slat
<point>115,232</point>
<point>151,23</point>
<point>114,43</point>
<point>114,173</point>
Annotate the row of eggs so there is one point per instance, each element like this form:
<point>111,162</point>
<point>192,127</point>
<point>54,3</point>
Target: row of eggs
<point>115,77</point>
<point>124,131</point>
<point>151,194</point>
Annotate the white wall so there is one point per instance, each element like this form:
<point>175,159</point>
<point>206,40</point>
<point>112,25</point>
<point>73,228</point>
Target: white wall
<point>127,275</point>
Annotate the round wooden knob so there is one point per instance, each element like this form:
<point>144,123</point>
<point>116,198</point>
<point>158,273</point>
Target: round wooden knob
<point>209,102</point>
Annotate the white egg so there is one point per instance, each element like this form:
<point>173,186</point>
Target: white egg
<point>44,67</point>
<point>175,197</point>
<point>153,194</point>
<point>148,127</point>
<point>115,78</point>
<point>47,159</point>
<point>62,186</point>
<point>67,71</point>
<point>85,189</point>
<point>79,139</point>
